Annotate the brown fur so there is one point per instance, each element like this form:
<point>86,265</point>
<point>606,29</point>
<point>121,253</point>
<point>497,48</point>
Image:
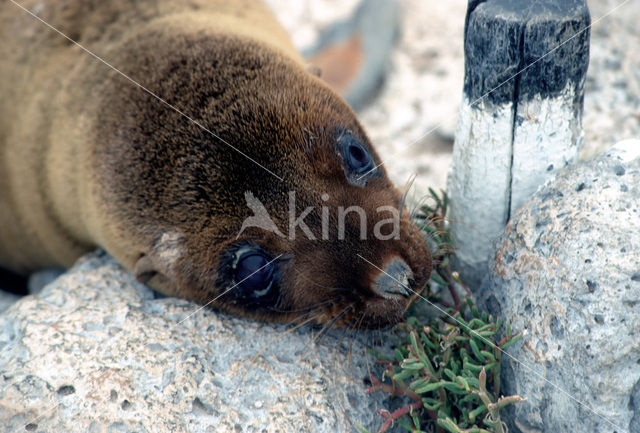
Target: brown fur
<point>89,159</point>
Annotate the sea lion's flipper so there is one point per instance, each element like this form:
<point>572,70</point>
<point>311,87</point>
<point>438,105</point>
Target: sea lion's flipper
<point>156,268</point>
<point>144,269</point>
<point>148,273</point>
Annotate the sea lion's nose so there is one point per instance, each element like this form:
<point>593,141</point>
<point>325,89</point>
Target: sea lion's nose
<point>394,280</point>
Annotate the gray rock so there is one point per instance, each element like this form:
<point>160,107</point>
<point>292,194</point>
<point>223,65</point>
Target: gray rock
<point>38,280</point>
<point>96,352</point>
<point>567,275</point>
<point>7,299</point>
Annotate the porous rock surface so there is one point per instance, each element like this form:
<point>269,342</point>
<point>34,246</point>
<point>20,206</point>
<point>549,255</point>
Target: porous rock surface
<point>95,352</point>
<point>567,275</point>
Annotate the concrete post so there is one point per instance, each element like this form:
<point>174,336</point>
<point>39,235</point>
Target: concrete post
<point>521,115</point>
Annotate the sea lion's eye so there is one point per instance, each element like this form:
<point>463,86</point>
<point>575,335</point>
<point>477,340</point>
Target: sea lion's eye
<point>249,276</point>
<point>358,158</point>
<point>254,274</point>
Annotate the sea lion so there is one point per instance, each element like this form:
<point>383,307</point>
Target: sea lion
<point>151,146</point>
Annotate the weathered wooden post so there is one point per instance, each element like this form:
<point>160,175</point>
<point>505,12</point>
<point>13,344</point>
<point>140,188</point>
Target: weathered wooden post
<point>521,117</point>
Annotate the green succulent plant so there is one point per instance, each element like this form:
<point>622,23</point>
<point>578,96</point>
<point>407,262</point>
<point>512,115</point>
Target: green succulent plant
<point>446,367</point>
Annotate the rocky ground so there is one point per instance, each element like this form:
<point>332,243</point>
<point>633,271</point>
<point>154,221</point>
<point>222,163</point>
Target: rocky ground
<point>424,86</point>
<point>95,352</point>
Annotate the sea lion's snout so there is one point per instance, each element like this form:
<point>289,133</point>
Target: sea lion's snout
<point>394,280</point>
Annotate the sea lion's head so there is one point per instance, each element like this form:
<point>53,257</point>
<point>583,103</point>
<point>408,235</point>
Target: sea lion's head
<point>269,202</point>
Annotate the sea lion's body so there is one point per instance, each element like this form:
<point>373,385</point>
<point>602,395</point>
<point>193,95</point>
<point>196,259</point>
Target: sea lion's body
<point>89,159</point>
<point>52,97</point>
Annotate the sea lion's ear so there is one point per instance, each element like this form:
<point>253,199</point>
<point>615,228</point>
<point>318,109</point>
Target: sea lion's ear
<point>314,70</point>
<point>156,269</point>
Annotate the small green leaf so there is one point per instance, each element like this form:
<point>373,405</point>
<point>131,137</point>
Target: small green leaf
<point>361,429</point>
<point>450,374</point>
<point>477,411</point>
<point>419,383</point>
<point>431,404</point>
<point>437,279</point>
<point>449,425</point>
<point>429,387</point>
<point>454,387</point>
<point>475,323</point>
<point>462,381</point>
<point>476,350</point>
<point>412,366</point>
<point>403,375</point>
<point>512,341</point>
<point>399,356</point>
<point>427,342</point>
<point>488,355</point>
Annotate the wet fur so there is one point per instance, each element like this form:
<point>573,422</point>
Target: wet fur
<point>89,159</point>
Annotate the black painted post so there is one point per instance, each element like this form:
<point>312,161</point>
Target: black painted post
<point>521,117</point>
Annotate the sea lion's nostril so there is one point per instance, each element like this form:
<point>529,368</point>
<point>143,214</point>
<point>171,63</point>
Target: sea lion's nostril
<point>395,280</point>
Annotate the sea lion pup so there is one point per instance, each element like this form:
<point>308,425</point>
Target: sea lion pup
<point>164,182</point>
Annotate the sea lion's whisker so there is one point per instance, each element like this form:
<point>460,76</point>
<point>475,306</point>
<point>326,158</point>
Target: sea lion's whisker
<point>339,345</point>
<point>357,326</point>
<point>464,223</point>
<point>338,351</point>
<point>366,354</point>
<point>418,206</point>
<point>310,280</point>
<point>366,360</point>
<point>319,304</point>
<point>354,328</point>
<point>379,332</point>
<point>407,187</point>
<point>325,328</point>
<point>316,309</point>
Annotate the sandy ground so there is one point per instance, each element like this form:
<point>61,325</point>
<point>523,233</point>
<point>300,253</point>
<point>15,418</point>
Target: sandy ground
<point>413,120</point>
